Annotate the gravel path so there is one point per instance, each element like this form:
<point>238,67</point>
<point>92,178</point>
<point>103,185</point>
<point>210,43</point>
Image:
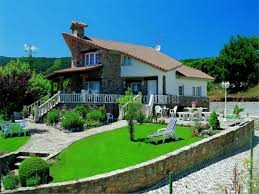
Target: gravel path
<point>212,178</point>
<point>50,140</point>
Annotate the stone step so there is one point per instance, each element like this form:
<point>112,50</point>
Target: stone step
<point>17,164</point>
<point>21,158</point>
<point>30,154</point>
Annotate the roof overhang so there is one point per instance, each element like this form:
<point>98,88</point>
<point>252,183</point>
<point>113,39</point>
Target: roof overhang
<point>71,71</point>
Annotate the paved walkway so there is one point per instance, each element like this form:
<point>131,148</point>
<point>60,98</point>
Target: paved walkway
<point>212,178</point>
<point>50,140</point>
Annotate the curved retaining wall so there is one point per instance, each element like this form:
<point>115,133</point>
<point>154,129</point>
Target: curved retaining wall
<point>151,172</point>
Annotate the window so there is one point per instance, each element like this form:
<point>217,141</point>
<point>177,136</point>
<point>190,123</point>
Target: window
<point>136,87</point>
<point>181,90</point>
<point>92,59</point>
<point>126,60</point>
<point>196,91</point>
<point>92,87</point>
<point>97,58</point>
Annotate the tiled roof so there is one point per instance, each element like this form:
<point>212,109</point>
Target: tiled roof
<point>145,54</point>
<point>194,73</point>
<point>142,53</point>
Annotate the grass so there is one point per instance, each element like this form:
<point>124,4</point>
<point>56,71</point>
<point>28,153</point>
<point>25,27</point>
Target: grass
<point>11,144</point>
<point>113,150</point>
<point>216,93</point>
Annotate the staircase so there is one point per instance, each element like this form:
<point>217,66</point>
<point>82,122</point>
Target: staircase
<point>24,155</point>
<point>40,108</point>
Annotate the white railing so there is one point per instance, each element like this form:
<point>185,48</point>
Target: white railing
<point>71,98</point>
<point>47,106</point>
<point>37,103</point>
<point>88,98</point>
<point>43,108</point>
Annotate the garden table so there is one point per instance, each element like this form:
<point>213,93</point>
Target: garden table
<point>196,111</point>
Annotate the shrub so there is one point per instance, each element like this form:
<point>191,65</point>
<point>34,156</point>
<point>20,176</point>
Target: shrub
<point>162,121</point>
<point>91,124</point>
<point>72,121</point>
<point>10,181</point>
<point>82,110</point>
<point>25,112</point>
<point>32,167</point>
<point>52,117</point>
<point>96,115</point>
<point>213,121</point>
<point>148,119</point>
<point>33,181</point>
<point>140,117</point>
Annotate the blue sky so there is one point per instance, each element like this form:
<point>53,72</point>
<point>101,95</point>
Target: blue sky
<point>184,29</point>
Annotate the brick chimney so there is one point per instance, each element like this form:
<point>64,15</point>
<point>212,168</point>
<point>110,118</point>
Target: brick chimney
<point>78,29</point>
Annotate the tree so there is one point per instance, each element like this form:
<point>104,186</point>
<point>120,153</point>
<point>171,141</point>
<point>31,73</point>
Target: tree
<point>38,86</point>
<point>207,65</point>
<point>13,83</point>
<point>56,66</point>
<point>20,86</point>
<point>132,106</point>
<point>240,59</point>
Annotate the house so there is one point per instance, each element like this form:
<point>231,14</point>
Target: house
<point>104,69</point>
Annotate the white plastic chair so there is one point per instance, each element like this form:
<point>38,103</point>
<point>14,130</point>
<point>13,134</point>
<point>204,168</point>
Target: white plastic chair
<point>109,117</point>
<point>173,111</point>
<point>158,110</point>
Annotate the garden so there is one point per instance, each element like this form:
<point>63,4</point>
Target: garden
<point>77,119</point>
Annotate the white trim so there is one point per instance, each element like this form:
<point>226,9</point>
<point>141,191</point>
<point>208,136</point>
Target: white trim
<point>89,58</point>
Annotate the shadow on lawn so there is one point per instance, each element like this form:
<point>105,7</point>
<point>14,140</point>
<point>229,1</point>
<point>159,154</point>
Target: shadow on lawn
<point>150,141</point>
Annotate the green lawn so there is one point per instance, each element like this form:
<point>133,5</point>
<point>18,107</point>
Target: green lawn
<point>12,143</point>
<point>113,150</point>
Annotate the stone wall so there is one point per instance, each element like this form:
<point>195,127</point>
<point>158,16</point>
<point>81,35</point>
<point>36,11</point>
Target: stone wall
<point>151,172</point>
<point>111,78</point>
<point>7,161</point>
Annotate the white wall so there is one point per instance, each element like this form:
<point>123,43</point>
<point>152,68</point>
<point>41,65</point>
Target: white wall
<point>140,69</point>
<point>189,83</point>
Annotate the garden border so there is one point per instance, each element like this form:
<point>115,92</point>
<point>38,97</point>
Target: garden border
<point>148,173</point>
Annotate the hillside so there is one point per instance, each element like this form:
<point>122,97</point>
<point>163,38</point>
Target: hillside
<point>41,64</point>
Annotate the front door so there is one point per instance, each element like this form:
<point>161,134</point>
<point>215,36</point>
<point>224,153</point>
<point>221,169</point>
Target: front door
<point>151,87</point>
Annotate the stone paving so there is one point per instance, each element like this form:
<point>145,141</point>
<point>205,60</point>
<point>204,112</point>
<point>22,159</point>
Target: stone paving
<point>213,178</point>
<point>50,140</point>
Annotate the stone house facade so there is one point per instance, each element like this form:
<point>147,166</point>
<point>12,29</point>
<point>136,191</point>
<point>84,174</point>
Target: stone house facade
<point>109,67</point>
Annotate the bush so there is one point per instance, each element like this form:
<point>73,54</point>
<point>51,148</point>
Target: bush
<point>213,121</point>
<point>140,117</point>
<point>52,117</point>
<point>32,167</point>
<point>25,112</point>
<point>148,119</point>
<point>33,181</point>
<point>96,115</point>
<point>10,182</point>
<point>72,121</point>
<point>82,110</point>
<point>91,124</point>
<point>162,121</point>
